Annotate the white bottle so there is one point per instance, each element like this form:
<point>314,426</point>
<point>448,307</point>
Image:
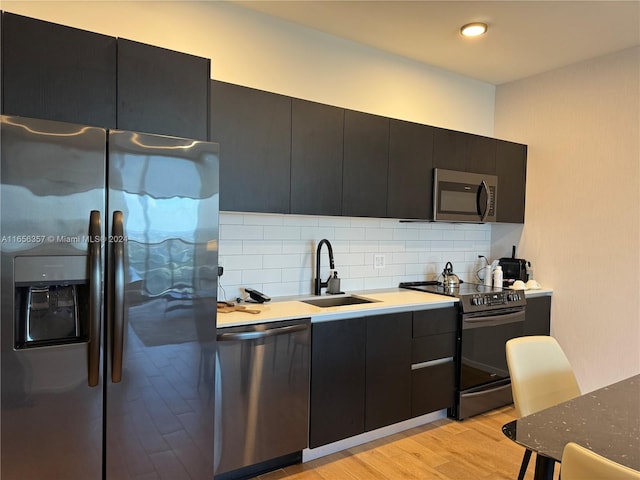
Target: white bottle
<point>486,277</point>
<point>497,277</point>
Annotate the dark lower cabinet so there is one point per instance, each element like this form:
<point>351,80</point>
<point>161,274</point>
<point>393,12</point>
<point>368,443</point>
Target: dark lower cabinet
<point>362,377</point>
<point>162,91</point>
<point>410,184</point>
<point>511,168</point>
<point>253,129</point>
<point>433,360</point>
<point>56,72</point>
<point>365,165</point>
<point>388,370</point>
<point>538,316</point>
<point>337,397</point>
<point>316,158</point>
<point>433,388</point>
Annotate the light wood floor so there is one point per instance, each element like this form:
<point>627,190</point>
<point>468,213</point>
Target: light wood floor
<point>446,449</point>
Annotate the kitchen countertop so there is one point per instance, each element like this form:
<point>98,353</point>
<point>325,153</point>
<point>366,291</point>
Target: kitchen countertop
<point>386,301</point>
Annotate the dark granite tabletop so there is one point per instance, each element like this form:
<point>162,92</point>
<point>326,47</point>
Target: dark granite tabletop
<point>607,421</point>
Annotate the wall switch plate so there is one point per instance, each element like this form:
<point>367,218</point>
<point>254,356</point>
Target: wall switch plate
<point>378,260</point>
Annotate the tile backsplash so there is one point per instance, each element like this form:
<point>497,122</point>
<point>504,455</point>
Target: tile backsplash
<point>275,254</point>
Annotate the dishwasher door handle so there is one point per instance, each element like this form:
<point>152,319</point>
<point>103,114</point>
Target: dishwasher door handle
<point>257,334</point>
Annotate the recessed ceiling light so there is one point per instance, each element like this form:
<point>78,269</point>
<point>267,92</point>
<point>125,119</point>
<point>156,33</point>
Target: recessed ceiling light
<point>473,29</point>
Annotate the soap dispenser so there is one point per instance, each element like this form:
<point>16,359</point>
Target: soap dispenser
<point>333,286</point>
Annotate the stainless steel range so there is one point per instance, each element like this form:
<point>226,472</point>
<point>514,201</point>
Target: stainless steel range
<point>488,318</point>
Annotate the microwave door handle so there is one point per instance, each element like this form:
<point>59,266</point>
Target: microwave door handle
<point>483,214</point>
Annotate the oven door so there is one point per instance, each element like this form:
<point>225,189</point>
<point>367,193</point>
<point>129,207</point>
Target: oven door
<point>483,373</point>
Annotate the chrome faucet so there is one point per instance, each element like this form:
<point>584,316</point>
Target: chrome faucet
<point>319,284</point>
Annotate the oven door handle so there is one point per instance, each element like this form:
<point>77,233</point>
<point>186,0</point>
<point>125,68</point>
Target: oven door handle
<point>493,320</point>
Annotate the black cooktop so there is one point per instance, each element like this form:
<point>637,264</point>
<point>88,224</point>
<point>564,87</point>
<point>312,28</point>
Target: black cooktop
<point>474,297</point>
<point>437,287</point>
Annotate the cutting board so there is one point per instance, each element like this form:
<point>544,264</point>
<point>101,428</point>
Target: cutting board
<point>226,308</point>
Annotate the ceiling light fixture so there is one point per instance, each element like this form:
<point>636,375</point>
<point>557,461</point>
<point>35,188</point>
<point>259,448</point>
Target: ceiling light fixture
<point>473,29</point>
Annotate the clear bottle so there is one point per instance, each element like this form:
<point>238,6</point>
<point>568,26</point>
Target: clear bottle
<point>497,277</point>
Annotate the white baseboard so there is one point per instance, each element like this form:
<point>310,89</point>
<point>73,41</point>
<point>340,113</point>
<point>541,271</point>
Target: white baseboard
<point>309,454</point>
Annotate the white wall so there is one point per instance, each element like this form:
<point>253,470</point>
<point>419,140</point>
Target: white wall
<point>582,125</point>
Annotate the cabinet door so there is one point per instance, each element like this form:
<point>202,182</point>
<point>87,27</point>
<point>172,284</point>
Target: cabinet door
<point>481,154</point>
<point>433,388</point>
<point>464,152</point>
<point>366,160</point>
<point>410,185</point>
<point>337,380</point>
<point>511,168</point>
<point>316,158</point>
<point>253,129</point>
<point>162,91</point>
<point>450,149</point>
<point>56,72</point>
<point>538,316</point>
<point>388,377</point>
<point>433,351</point>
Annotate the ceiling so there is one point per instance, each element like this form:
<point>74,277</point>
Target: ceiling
<point>524,38</point>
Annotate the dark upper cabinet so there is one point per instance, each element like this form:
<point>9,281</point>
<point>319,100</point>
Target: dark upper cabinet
<point>55,72</point>
<point>316,158</point>
<point>481,154</point>
<point>450,149</point>
<point>511,168</point>
<point>162,91</point>
<point>253,129</point>
<point>365,165</point>
<point>410,179</point>
<point>388,370</point>
<point>465,152</point>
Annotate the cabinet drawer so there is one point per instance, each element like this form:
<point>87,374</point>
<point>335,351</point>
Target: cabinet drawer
<point>424,349</point>
<point>433,388</point>
<point>433,322</point>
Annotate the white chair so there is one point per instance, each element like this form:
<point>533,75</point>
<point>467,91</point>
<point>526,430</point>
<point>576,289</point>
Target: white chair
<point>579,463</point>
<point>541,376</point>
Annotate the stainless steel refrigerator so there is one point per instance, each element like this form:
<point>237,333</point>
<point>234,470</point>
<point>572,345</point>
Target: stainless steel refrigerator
<point>109,280</point>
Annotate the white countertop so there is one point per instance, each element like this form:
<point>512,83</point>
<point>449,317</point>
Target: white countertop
<point>386,301</point>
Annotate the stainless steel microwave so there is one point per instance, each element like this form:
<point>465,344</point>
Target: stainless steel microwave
<point>464,197</point>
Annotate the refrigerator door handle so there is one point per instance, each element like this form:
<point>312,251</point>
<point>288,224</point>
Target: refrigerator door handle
<point>95,300</point>
<point>117,296</point>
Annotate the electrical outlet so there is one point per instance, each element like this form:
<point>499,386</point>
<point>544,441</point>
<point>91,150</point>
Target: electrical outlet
<point>378,260</point>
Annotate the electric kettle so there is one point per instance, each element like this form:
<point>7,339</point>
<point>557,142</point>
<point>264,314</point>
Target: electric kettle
<point>449,279</point>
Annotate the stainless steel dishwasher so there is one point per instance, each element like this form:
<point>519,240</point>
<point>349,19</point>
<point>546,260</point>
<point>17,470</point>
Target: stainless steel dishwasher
<point>262,397</point>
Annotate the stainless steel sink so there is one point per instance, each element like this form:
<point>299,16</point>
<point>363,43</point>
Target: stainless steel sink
<point>338,301</point>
